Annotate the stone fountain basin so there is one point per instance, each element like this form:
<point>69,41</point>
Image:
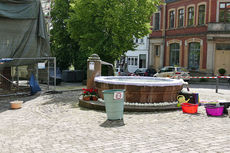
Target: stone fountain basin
<point>141,89</point>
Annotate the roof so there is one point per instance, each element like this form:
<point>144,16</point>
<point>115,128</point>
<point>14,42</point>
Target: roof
<point>170,1</point>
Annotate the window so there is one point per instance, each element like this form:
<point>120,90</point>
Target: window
<point>132,60</point>
<point>171,18</point>
<point>181,18</point>
<point>157,50</point>
<point>135,61</point>
<point>221,46</point>
<point>129,63</point>
<point>190,16</point>
<point>142,40</point>
<point>201,17</point>
<point>174,54</point>
<point>142,61</point>
<point>224,14</point>
<point>194,56</point>
<point>157,21</point>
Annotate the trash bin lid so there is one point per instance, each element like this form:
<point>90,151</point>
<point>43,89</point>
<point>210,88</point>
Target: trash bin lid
<point>113,90</point>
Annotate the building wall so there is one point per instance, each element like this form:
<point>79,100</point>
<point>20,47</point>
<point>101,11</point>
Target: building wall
<point>142,48</point>
<point>187,34</point>
<point>157,39</point>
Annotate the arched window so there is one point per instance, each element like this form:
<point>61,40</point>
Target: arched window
<point>194,56</point>
<point>174,54</point>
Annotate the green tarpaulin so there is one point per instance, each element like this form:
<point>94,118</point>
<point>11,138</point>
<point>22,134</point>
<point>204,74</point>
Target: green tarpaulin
<point>23,32</point>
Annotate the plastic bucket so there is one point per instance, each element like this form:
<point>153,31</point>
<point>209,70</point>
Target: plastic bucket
<point>16,104</point>
<point>214,110</point>
<point>189,108</point>
<point>114,103</point>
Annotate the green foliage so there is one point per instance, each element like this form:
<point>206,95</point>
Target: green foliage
<point>107,27</point>
<point>63,47</point>
<point>222,71</point>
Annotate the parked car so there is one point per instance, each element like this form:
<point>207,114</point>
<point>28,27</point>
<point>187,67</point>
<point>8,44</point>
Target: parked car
<point>174,72</point>
<point>120,72</point>
<point>140,72</point>
<point>145,72</point>
<point>150,72</point>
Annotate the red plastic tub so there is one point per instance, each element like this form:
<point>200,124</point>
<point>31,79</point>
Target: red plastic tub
<point>189,108</point>
<point>214,110</point>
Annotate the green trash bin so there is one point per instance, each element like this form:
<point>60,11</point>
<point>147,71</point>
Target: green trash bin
<point>114,103</point>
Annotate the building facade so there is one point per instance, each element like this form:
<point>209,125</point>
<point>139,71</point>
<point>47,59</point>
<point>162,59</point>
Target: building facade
<point>138,59</point>
<point>193,34</point>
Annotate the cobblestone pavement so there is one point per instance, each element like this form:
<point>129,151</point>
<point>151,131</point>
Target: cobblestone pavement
<point>55,124</point>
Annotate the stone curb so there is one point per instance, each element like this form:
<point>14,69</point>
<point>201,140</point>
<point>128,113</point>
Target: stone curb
<point>100,106</point>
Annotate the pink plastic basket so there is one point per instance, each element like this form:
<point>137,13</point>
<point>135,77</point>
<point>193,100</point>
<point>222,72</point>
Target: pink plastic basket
<point>214,110</point>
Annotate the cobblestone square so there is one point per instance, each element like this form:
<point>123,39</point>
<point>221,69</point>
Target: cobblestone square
<point>53,123</point>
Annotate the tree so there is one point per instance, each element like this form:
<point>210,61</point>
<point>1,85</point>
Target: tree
<point>63,47</point>
<point>107,27</point>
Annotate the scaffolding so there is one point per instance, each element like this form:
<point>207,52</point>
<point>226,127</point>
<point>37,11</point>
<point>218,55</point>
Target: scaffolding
<point>19,74</point>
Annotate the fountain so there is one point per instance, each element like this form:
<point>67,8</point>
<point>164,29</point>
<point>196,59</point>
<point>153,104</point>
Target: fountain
<point>141,93</point>
<point>142,89</point>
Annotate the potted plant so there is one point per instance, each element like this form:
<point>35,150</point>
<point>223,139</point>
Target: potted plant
<point>90,94</point>
<point>94,94</point>
<point>222,71</point>
<point>86,94</point>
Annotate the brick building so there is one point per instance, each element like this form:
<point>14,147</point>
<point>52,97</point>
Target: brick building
<point>193,34</point>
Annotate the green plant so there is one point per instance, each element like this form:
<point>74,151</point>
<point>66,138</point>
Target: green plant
<point>222,71</point>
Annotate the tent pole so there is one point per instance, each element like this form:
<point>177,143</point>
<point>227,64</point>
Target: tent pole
<point>55,73</point>
<point>48,74</point>
<point>17,77</point>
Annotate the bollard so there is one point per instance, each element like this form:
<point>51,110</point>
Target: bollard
<point>217,83</point>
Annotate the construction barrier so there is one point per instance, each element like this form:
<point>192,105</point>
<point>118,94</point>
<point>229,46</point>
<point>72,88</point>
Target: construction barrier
<point>199,77</point>
<point>203,77</point>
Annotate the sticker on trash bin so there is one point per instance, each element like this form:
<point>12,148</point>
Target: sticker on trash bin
<point>118,95</point>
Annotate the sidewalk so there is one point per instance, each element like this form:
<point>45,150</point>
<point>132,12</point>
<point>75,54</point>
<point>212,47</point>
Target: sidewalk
<point>65,86</point>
